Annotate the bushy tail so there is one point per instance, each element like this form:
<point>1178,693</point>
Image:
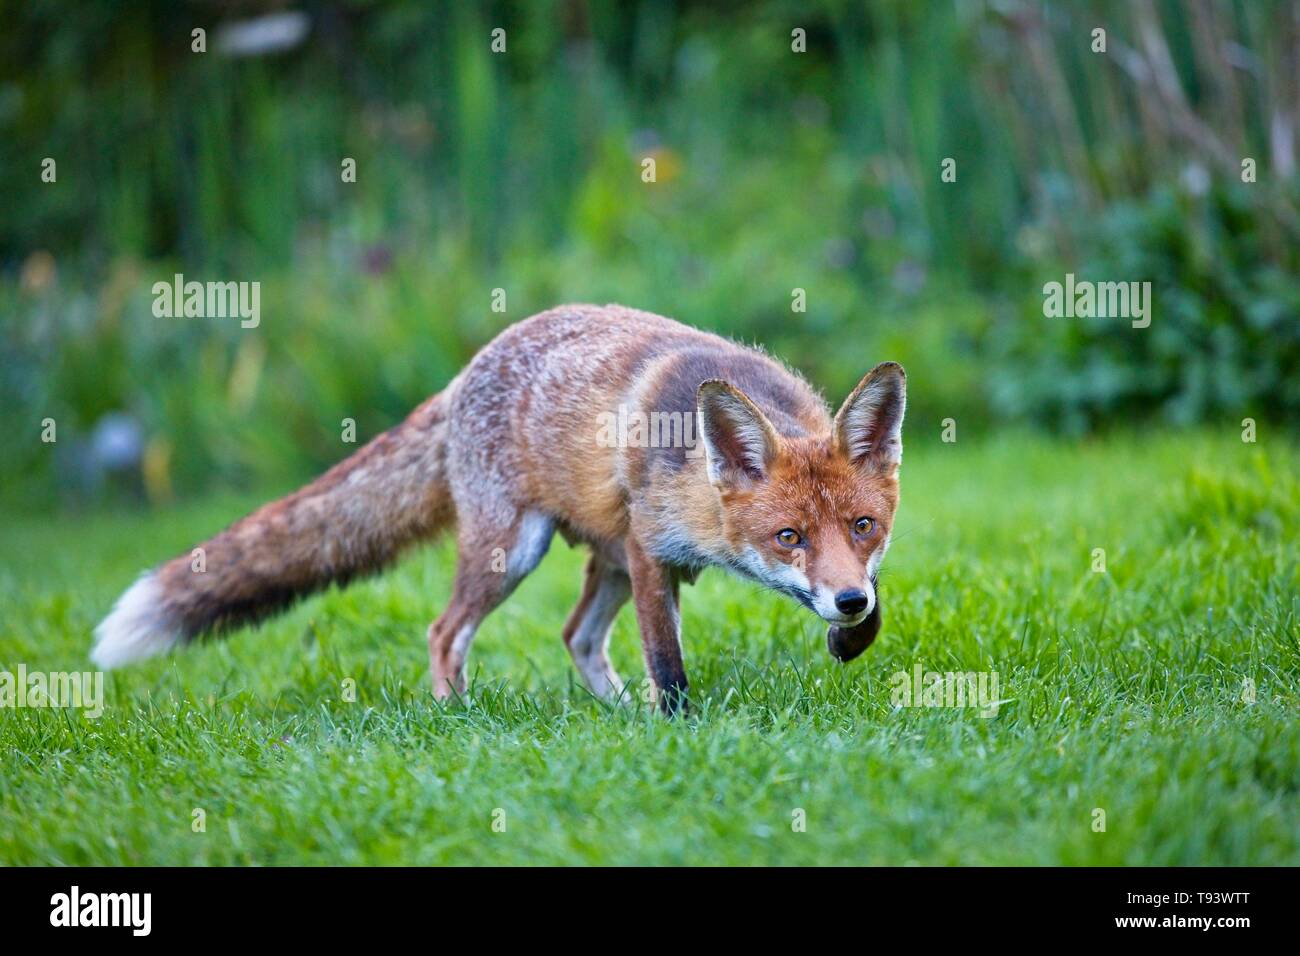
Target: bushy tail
<point>351,521</point>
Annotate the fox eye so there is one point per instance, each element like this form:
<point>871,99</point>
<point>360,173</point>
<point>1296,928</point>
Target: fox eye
<point>788,537</point>
<point>864,526</point>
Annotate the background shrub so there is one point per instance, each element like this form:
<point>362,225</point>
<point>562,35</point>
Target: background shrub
<point>776,171</point>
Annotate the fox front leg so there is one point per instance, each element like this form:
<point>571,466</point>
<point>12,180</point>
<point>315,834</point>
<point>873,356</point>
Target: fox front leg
<point>655,595</point>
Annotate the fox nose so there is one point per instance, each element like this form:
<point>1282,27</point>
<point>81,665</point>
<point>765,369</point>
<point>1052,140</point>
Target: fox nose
<point>851,601</point>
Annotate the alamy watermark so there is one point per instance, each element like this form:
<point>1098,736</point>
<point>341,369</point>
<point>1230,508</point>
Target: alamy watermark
<point>133,911</point>
<point>208,300</point>
<point>1098,300</point>
<point>81,690</point>
<point>922,688</point>
<point>633,428</point>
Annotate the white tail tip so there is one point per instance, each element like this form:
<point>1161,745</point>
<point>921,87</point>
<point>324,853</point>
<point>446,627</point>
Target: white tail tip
<point>136,628</point>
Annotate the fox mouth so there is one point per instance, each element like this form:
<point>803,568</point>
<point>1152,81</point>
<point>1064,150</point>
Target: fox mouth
<point>846,640</point>
<point>834,618</point>
<point>846,607</point>
<point>845,620</point>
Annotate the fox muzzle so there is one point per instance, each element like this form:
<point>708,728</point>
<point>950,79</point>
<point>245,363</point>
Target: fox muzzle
<point>846,643</point>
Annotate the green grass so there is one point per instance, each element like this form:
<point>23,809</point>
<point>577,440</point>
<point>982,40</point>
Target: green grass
<point>1122,691</point>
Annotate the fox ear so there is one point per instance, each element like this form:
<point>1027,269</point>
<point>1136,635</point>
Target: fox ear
<point>739,441</point>
<point>869,425</point>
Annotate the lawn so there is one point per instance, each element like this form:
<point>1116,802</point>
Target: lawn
<point>1157,698</point>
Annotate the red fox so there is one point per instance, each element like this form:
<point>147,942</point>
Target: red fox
<point>520,445</point>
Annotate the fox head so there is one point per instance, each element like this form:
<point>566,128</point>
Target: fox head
<point>811,515</point>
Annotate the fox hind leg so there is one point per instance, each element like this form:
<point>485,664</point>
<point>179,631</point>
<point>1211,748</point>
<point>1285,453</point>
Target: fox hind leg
<point>493,557</point>
<point>586,633</point>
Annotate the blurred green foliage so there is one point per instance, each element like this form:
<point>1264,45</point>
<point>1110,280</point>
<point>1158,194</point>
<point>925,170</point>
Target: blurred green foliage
<point>522,171</point>
<point>1224,339</point>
